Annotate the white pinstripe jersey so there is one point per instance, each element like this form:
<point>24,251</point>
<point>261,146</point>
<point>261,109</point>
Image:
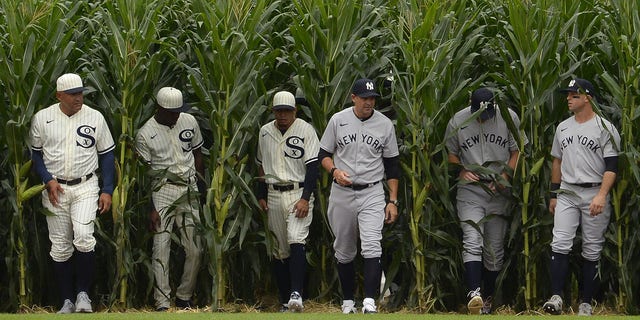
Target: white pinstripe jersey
<point>70,145</point>
<point>170,148</point>
<point>359,146</point>
<point>286,155</point>
<point>583,147</point>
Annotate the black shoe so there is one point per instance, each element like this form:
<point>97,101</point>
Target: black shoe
<point>161,309</point>
<point>183,304</point>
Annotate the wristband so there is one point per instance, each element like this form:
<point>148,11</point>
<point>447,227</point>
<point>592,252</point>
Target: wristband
<point>553,194</point>
<point>333,170</point>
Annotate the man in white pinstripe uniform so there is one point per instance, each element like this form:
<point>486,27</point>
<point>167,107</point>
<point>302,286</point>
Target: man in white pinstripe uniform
<point>68,141</point>
<point>170,143</point>
<point>288,160</point>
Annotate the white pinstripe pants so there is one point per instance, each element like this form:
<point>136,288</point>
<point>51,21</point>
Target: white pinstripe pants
<point>283,223</point>
<point>176,206</point>
<point>71,224</point>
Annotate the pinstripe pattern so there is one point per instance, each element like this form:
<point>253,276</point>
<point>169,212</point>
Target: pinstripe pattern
<point>71,224</point>
<point>70,146</point>
<point>177,205</point>
<point>171,149</point>
<point>283,158</point>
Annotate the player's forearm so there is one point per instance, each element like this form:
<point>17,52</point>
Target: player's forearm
<point>393,189</point>
<point>556,173</point>
<point>310,179</point>
<point>608,179</point>
<point>38,164</point>
<point>327,163</point>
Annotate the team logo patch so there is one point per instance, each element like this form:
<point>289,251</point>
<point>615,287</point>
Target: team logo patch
<point>87,136</point>
<point>295,147</point>
<point>186,136</point>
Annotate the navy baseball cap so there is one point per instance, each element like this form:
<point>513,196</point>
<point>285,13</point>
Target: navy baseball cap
<point>580,85</point>
<point>364,88</point>
<point>483,96</point>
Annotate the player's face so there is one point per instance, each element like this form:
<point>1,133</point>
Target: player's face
<point>363,107</point>
<point>70,103</point>
<point>576,101</point>
<point>167,118</point>
<point>284,118</point>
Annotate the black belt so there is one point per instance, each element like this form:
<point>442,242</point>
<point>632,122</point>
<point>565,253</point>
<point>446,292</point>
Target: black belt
<point>357,187</point>
<point>587,184</point>
<point>287,187</point>
<point>75,181</point>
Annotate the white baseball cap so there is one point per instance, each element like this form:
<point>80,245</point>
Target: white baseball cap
<point>284,100</point>
<point>170,99</point>
<point>69,83</point>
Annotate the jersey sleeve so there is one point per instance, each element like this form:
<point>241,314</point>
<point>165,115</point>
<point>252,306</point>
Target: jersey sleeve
<point>556,151</point>
<point>611,139</point>
<point>391,145</point>
<point>312,144</point>
<point>452,138</point>
<point>142,148</point>
<point>35,139</point>
<point>328,141</point>
<point>105,141</point>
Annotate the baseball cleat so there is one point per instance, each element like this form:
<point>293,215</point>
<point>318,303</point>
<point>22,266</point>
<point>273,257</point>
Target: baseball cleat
<point>183,304</point>
<point>584,309</point>
<point>284,308</point>
<point>348,306</point>
<point>369,306</point>
<point>67,307</point>
<point>486,306</point>
<point>295,302</point>
<point>554,305</point>
<point>83,303</point>
<point>475,303</point>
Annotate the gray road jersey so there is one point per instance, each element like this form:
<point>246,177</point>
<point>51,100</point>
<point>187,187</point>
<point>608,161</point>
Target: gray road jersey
<point>359,146</point>
<point>582,148</point>
<point>477,143</point>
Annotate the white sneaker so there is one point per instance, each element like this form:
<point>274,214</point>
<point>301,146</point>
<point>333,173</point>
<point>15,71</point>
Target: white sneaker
<point>584,309</point>
<point>553,305</point>
<point>369,306</point>
<point>295,302</point>
<point>83,303</point>
<point>475,303</point>
<point>67,307</point>
<point>348,306</point>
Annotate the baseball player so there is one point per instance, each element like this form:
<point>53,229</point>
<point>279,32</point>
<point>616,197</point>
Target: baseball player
<point>482,147</point>
<point>288,160</point>
<point>585,164</point>
<point>169,143</point>
<point>358,149</point>
<point>69,141</point>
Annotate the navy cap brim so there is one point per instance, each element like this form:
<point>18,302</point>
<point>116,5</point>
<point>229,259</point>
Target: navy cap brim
<point>75,90</point>
<point>283,107</point>
<point>367,95</point>
<point>185,107</point>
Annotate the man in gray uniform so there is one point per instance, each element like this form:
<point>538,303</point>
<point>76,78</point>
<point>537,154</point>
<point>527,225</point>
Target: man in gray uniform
<point>486,153</point>
<point>585,164</point>
<point>359,148</point>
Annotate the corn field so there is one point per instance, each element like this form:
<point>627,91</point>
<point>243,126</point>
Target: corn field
<point>230,56</point>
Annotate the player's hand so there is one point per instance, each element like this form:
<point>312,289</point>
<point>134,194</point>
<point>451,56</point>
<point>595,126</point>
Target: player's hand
<point>552,205</point>
<point>154,220</point>
<point>263,205</point>
<point>597,205</point>
<point>53,187</point>
<point>104,203</point>
<point>469,175</point>
<point>301,208</point>
<point>342,177</point>
<point>390,213</point>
